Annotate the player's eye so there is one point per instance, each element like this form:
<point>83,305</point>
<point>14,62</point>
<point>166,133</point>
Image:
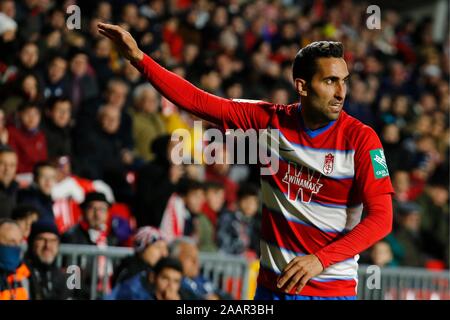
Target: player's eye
<point>328,81</point>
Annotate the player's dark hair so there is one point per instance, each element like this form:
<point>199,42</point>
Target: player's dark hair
<point>305,66</point>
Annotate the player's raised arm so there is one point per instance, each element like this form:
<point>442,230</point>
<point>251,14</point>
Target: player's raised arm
<point>223,112</point>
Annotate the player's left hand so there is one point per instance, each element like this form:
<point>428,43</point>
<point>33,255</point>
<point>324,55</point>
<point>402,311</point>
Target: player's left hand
<point>298,272</point>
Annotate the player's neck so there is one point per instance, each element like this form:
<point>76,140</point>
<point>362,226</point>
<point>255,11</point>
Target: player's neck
<point>311,121</point>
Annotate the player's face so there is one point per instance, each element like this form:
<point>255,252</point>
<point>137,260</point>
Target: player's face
<point>326,91</point>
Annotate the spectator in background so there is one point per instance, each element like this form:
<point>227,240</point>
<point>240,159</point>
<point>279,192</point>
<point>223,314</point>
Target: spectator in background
<point>149,246</point>
<point>82,84</point>
<point>186,250</point>
<point>381,255</point>
<point>25,216</point>
<point>238,232</point>
<point>93,229</point>
<point>27,139</point>
<point>155,183</point>
<point>183,216</point>
<point>39,194</point>
<point>164,283</point>
<point>47,281</point>
<point>215,200</point>
<point>101,61</point>
<point>101,153</point>
<point>409,236</point>
<point>8,186</point>
<point>26,89</point>
<point>218,172</point>
<point>435,216</point>
<point>14,275</point>
<point>28,58</point>
<point>117,97</point>
<point>56,127</point>
<point>55,80</point>
<point>396,154</point>
<point>147,122</point>
<point>359,103</point>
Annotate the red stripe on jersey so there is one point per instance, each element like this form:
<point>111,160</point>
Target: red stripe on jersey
<point>332,288</point>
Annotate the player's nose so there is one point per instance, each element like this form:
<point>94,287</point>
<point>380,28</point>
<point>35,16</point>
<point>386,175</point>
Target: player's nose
<point>340,92</point>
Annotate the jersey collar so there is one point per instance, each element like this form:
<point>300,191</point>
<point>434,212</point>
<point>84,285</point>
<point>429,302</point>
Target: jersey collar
<point>310,132</point>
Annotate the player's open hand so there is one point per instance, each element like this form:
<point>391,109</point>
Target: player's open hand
<point>123,41</point>
<point>298,272</point>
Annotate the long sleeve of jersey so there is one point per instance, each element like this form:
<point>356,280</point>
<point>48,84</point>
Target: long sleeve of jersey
<point>375,226</point>
<point>223,112</point>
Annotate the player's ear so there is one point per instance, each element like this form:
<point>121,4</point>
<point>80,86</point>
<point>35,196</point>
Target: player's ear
<point>300,86</point>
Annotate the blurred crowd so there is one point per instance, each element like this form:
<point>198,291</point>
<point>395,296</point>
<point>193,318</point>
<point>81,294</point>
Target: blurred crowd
<point>85,141</point>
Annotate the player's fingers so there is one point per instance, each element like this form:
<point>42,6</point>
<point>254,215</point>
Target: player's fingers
<point>285,276</point>
<point>106,26</point>
<point>295,280</point>
<point>304,280</point>
<point>104,33</point>
<point>111,29</point>
<point>291,263</point>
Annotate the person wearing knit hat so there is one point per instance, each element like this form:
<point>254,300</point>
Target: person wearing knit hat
<point>150,246</point>
<point>47,281</point>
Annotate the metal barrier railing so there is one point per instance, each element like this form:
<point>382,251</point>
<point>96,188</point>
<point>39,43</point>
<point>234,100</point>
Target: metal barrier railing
<point>229,273</point>
<point>83,255</point>
<point>402,283</point>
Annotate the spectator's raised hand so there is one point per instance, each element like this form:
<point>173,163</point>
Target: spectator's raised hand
<point>123,40</point>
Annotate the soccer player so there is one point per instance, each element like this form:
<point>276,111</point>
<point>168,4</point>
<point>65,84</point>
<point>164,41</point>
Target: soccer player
<point>331,167</point>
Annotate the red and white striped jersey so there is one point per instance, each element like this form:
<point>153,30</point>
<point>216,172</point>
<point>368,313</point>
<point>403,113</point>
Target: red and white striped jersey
<point>317,195</point>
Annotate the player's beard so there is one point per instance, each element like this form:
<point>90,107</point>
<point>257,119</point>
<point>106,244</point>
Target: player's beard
<point>322,115</point>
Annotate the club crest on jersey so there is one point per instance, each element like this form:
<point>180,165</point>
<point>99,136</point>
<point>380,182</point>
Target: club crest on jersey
<point>328,164</point>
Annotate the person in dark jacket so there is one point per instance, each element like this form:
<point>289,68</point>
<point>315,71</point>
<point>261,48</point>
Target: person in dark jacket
<point>39,194</point>
<point>55,80</point>
<point>102,154</point>
<point>47,281</point>
<point>186,250</point>
<point>409,235</point>
<point>56,128</point>
<point>92,230</point>
<point>82,85</point>
<point>150,246</point>
<point>238,232</point>
<point>8,186</point>
<point>164,283</point>
<point>155,183</point>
